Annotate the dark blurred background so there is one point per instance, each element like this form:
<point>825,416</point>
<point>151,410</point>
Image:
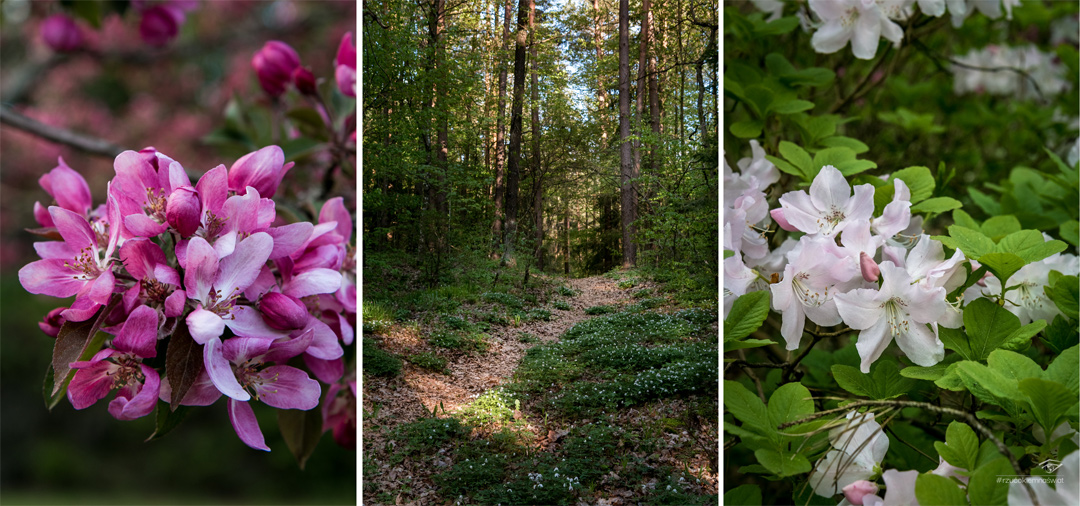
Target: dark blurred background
<point>120,89</point>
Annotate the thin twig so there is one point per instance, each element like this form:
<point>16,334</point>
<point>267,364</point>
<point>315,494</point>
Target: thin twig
<point>753,377</point>
<point>968,417</point>
<point>91,145</point>
<point>862,83</point>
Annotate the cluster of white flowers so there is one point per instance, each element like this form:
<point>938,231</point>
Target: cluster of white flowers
<point>991,70</point>
<point>833,282</point>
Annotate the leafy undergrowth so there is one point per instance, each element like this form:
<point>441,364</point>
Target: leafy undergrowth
<point>612,409</point>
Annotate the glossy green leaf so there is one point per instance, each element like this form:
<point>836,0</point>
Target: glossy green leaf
<point>934,490</point>
<point>797,156</point>
<point>747,314</point>
<point>936,205</point>
<point>1066,295</point>
<point>747,129</point>
<point>987,326</point>
<point>743,495</point>
<point>961,447</point>
<point>1003,265</point>
<point>788,403</point>
<point>919,181</point>
<point>972,242</point>
<point>839,141</point>
<point>747,408</point>
<point>985,486</point>
<point>783,464</point>
<point>1065,369</point>
<point>1050,401</point>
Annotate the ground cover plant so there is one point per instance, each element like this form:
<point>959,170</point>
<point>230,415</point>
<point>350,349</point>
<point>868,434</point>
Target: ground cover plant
<point>862,212</point>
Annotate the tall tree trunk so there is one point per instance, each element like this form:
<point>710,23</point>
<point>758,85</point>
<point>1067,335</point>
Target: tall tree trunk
<point>537,174</point>
<point>500,150</point>
<point>436,26</point>
<point>513,166</point>
<point>601,89</point>
<point>626,163</point>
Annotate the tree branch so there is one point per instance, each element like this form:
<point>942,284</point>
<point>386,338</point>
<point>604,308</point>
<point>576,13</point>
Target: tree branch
<point>91,145</point>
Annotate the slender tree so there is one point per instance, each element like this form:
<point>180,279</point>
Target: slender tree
<point>513,166</point>
<point>626,162</point>
<point>500,150</point>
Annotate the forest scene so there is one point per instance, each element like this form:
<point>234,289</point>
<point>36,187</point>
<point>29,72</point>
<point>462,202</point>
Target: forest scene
<point>540,252</point>
<point>901,195</point>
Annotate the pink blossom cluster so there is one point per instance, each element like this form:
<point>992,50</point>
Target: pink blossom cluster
<point>277,65</point>
<point>880,275</point>
<point>159,24</point>
<point>211,258</point>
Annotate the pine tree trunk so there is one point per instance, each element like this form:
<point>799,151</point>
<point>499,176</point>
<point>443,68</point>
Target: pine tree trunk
<point>626,162</point>
<point>500,150</point>
<point>513,166</point>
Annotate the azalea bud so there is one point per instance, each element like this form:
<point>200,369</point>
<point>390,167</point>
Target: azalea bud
<point>870,270</point>
<point>61,33</point>
<point>160,24</point>
<point>345,72</point>
<point>262,170</point>
<point>778,216</point>
<point>52,322</point>
<point>184,211</point>
<point>304,81</point>
<point>855,492</point>
<point>982,281</point>
<point>274,65</point>
<point>283,312</point>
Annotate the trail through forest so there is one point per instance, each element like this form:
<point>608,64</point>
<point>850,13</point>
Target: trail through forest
<point>405,398</point>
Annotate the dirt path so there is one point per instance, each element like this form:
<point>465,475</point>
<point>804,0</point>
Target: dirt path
<point>416,391</point>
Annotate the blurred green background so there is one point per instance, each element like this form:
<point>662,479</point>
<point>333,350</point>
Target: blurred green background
<point>137,96</point>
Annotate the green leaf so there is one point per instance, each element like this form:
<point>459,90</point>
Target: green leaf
<point>954,339</point>
<point>1029,245</point>
<point>987,325</point>
<point>1013,365</point>
<point>1066,295</point>
<point>883,382</point>
<point>814,76</point>
<point>1061,334</point>
<point>788,403</point>
<point>840,141</point>
<point>747,314</point>
<point>777,65</point>
<point>996,227</point>
<point>852,167</point>
<point>972,242</point>
<point>830,156</point>
<point>918,179</point>
<point>309,122</point>
<point>934,490</point>
<point>818,127</point>
<point>91,11</point>
<point>1021,337</point>
<point>786,167</point>
<point>1070,232</point>
<point>743,495</point>
<point>962,218</point>
<point>746,343</point>
<point>1065,369</point>
<point>183,362</point>
<point>747,408</point>
<point>301,431</point>
<point>759,98</point>
<point>296,148</point>
<point>984,201</point>
<point>747,129</point>
<point>985,486</point>
<point>936,205</point>
<point>987,384</point>
<point>51,398</point>
<point>1003,265</point>
<point>932,373</point>
<point>962,449</point>
<point>792,106</point>
<point>1050,401</point>
<point>77,341</point>
<point>778,26</point>
<point>951,380</point>
<point>166,419</point>
<point>797,156</point>
<point>782,464</point>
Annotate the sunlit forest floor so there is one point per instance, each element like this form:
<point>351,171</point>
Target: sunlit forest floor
<point>598,390</point>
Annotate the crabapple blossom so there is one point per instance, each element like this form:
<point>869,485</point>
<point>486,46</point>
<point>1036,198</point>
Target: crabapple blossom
<point>121,367</point>
<point>61,33</point>
<point>274,64</point>
<point>345,66</point>
<point>68,188</point>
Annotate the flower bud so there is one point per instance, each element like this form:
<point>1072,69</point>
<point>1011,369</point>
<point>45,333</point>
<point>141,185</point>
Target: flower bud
<point>283,312</point>
<point>184,211</point>
<point>274,65</point>
<point>855,492</point>
<point>61,33</point>
<point>160,24</point>
<point>870,270</point>
<point>304,81</point>
<point>778,216</point>
<point>262,170</point>
<point>345,71</point>
<point>52,322</point>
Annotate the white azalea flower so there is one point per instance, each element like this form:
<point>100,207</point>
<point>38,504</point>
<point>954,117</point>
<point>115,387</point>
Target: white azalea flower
<point>859,446</point>
<point>862,22</point>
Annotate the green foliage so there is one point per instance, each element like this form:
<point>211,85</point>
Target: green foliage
<point>747,313</point>
<point>430,361</point>
<point>378,362</point>
<point>598,310</point>
<point>492,406</point>
<point>883,382</point>
<point>561,305</point>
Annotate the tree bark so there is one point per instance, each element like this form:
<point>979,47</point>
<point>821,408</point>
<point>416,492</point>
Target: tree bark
<point>513,166</point>
<point>626,165</point>
<point>538,177</point>
<point>601,89</point>
<point>500,150</point>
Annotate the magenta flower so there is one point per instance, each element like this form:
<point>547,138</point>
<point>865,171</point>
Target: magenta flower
<point>345,70</point>
<point>184,211</point>
<point>240,369</point>
<point>216,284</point>
<point>160,24</point>
<point>61,33</point>
<point>262,170</point>
<point>67,188</point>
<point>304,81</point>
<point>274,65</point>
<point>283,312</point>
<point>79,265</point>
<point>339,413</point>
<point>143,192</point>
<point>121,367</point>
<point>157,282</point>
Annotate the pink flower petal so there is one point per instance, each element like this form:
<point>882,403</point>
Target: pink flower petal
<point>201,269</point>
<point>204,325</point>
<point>313,282</point>
<point>213,189</point>
<point>286,387</point>
<point>334,210</point>
<point>90,384</point>
<point>240,269</point>
<point>73,228</point>
<point>144,400</point>
<point>51,277</point>
<point>242,349</point>
<point>246,425</point>
<point>327,371</point>
<point>221,372</point>
<point>140,332</point>
<point>289,238</point>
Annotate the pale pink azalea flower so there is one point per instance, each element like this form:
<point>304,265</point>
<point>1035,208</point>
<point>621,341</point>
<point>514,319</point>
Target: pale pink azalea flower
<point>862,22</point>
<point>807,288</point>
<point>897,214</point>
<point>898,311</point>
<point>950,471</point>
<point>856,491</point>
<point>830,206</point>
<point>755,173</point>
<point>859,446</point>
<point>747,217</point>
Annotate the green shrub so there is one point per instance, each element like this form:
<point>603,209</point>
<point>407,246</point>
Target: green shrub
<point>598,310</point>
<point>504,299</point>
<point>430,361</point>
<point>566,291</point>
<point>378,362</point>
<point>561,305</point>
<point>495,405</point>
